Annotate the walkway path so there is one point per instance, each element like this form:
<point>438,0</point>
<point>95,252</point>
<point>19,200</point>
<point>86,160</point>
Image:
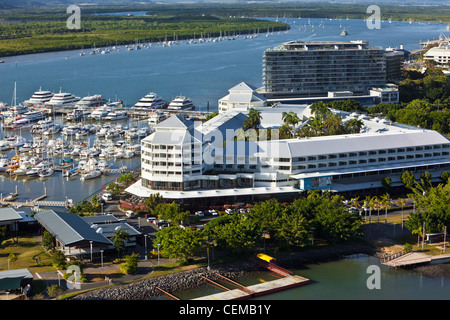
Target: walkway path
<point>145,268</point>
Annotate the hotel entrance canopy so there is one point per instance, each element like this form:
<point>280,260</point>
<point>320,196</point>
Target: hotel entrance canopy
<point>137,190</point>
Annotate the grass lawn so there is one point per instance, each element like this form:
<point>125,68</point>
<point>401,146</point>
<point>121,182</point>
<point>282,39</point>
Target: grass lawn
<point>26,250</point>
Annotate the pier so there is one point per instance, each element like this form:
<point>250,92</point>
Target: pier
<point>242,292</point>
<point>415,258</point>
<point>259,289</point>
<point>39,201</point>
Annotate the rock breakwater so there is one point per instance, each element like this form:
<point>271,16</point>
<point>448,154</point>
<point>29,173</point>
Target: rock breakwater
<point>148,288</point>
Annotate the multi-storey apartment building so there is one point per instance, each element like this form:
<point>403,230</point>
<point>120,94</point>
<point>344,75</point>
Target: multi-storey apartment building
<point>187,162</point>
<point>314,68</point>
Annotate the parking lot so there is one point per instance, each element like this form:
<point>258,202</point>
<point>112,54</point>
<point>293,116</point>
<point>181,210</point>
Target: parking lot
<point>148,225</point>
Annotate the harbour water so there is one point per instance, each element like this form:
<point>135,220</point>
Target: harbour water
<point>205,72</point>
<point>347,279</point>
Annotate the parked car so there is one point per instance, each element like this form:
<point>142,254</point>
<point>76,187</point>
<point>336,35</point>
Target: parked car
<point>199,214</point>
<point>107,196</point>
<point>213,212</point>
<point>229,211</point>
<point>129,214</point>
<point>151,219</point>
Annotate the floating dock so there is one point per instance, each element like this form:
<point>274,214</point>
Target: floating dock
<point>259,289</point>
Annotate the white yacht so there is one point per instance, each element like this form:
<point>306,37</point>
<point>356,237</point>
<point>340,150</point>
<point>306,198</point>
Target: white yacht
<point>42,125</point>
<point>90,175</point>
<point>70,130</point>
<point>91,101</point>
<point>150,101</point>
<point>39,98</point>
<point>15,111</point>
<point>26,120</point>
<point>4,162</point>
<point>116,115</point>
<point>62,100</point>
<point>101,112</point>
<point>181,103</point>
<point>79,114</point>
<point>156,117</point>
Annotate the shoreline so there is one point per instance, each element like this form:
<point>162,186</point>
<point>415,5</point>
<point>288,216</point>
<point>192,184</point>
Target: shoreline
<point>188,280</point>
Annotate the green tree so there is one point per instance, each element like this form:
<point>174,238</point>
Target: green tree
<point>402,202</point>
<point>253,119</point>
<point>48,241</point>
<point>58,259</point>
<point>119,239</point>
<point>353,126</point>
<point>291,118</point>
<point>172,212</point>
<point>387,184</point>
<point>125,179</point>
<point>114,188</point>
<point>426,180</point>
<point>131,264</point>
<point>12,257</point>
<point>445,177</point>
<point>336,224</point>
<point>179,243</point>
<point>408,179</point>
<point>386,203</point>
<point>294,230</point>
<point>319,109</point>
<point>152,203</point>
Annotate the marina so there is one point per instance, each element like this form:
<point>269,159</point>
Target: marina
<point>203,72</point>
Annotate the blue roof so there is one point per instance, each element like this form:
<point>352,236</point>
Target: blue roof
<point>69,228</point>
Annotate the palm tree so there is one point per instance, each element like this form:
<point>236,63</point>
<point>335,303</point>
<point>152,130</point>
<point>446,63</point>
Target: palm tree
<point>386,203</point>
<point>333,124</point>
<point>354,126</point>
<point>369,203</point>
<point>354,203</point>
<point>319,109</point>
<point>378,206</point>
<point>402,202</point>
<point>291,118</point>
<point>253,120</point>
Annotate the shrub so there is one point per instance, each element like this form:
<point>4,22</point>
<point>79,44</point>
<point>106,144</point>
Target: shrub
<point>407,247</point>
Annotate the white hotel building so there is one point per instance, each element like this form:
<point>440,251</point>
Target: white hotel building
<point>196,162</point>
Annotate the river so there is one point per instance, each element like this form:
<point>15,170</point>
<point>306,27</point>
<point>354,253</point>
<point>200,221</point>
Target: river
<point>346,279</point>
<point>205,72</point>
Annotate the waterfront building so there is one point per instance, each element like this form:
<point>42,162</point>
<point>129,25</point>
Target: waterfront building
<point>387,94</point>
<point>197,162</point>
<point>73,235</point>
<point>439,54</point>
<point>242,97</point>
<point>314,68</point>
<point>395,59</point>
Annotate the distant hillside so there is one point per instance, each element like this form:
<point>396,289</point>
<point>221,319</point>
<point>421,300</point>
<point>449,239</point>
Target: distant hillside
<point>9,4</point>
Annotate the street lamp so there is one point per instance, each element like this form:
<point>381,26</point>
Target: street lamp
<point>158,253</point>
<point>101,257</point>
<point>145,237</point>
<point>90,242</point>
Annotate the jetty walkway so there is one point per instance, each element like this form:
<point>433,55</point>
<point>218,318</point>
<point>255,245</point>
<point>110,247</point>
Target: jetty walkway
<point>36,203</point>
<point>414,258</point>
